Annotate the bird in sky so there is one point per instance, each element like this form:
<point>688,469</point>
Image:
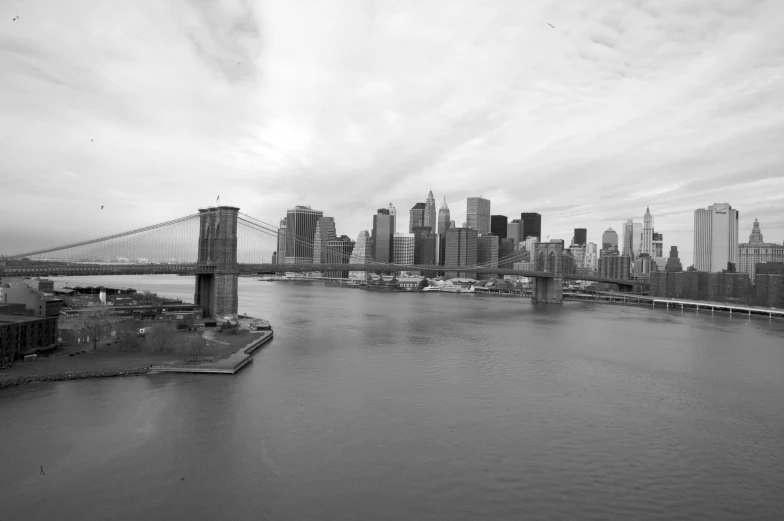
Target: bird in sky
<point>101,207</point>
<point>15,18</point>
<point>551,25</point>
<point>216,200</point>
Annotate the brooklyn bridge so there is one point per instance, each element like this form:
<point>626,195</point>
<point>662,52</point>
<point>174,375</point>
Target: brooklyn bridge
<point>219,244</point>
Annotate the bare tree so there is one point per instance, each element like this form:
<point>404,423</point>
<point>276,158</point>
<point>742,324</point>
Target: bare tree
<point>196,345</point>
<point>95,323</point>
<point>161,336</point>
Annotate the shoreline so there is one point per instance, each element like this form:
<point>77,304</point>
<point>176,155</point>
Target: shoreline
<point>16,381</point>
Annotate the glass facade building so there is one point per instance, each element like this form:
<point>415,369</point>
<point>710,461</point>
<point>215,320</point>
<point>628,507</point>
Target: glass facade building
<point>301,224</point>
<point>532,225</point>
<point>478,215</point>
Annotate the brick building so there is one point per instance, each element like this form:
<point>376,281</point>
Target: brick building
<point>22,335</point>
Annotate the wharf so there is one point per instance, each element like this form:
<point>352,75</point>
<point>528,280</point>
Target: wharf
<point>228,365</point>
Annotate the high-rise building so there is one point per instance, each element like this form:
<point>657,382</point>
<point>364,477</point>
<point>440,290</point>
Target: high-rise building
<point>578,252</point>
<point>615,267</point>
<point>403,248</point>
<point>301,224</point>
<point>514,231</point>
<point>487,251</point>
<point>429,220</point>
<point>281,256</point>
<point>715,238</point>
<point>416,217</point>
<point>425,246</point>
<point>506,253</point>
<point>532,225</point>
<point>580,237</point>
<point>591,261</point>
<point>478,215</point>
<point>362,253</point>
<point>443,219</point>
<point>393,213</point>
<point>658,245</point>
<point>338,251</point>
<point>325,231</point>
<point>673,262</point>
<point>632,238</point>
<point>609,239</point>
<point>498,226</point>
<point>647,233</point>
<point>757,251</point>
<point>530,243</point>
<point>461,246</point>
<point>383,231</point>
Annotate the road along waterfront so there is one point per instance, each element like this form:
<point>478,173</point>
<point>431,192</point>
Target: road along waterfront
<point>408,405</point>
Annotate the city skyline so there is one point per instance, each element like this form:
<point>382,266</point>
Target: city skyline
<point>139,140</point>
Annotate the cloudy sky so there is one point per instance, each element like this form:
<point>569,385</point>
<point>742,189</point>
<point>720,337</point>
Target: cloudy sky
<point>153,108</point>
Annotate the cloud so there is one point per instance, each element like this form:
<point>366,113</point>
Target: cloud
<point>156,107</point>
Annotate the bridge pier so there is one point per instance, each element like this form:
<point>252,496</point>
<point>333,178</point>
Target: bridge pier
<point>547,290</point>
<point>549,258</point>
<point>217,272</point>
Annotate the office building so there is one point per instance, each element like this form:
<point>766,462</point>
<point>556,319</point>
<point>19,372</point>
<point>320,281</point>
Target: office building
<point>506,253</point>
<point>35,302</point>
<point>338,251</point>
<point>615,267</point>
<point>532,225</point>
<point>362,253</point>
<point>393,213</point>
<point>646,245</point>
<point>591,261</point>
<point>301,224</point>
<point>632,239</point>
<point>425,246</point>
<point>416,217</point>
<point>281,256</point>
<point>383,231</point>
<point>478,215</point>
<point>578,253</point>
<point>715,238</point>
<point>757,251</point>
<point>429,220</point>
<point>673,261</point>
<point>498,226</point>
<point>487,253</point>
<point>514,231</point>
<point>609,239</point>
<point>443,219</point>
<point>530,243</point>
<point>580,237</point>
<point>658,245</point>
<point>325,231</point>
<point>461,250</point>
<point>403,248</point>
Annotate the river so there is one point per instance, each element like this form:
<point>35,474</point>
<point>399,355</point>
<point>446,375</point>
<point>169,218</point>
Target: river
<point>418,406</point>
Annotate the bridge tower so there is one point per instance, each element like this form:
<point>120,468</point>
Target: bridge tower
<point>548,257</point>
<point>216,268</point>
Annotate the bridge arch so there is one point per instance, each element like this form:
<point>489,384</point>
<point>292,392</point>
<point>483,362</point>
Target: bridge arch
<point>551,260</point>
<point>541,263</point>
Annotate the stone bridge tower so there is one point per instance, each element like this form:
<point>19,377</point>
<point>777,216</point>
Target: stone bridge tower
<point>216,268</point>
<point>548,257</point>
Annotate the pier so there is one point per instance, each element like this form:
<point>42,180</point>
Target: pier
<point>229,365</point>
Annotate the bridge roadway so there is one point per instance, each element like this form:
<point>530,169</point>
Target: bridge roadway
<point>48,270</point>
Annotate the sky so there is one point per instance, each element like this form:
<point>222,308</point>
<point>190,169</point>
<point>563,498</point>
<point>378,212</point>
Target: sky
<point>585,112</point>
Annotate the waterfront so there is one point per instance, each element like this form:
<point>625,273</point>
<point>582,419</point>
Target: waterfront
<point>374,405</point>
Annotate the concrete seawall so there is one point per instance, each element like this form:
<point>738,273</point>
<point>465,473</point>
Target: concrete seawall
<point>80,375</point>
<point>228,365</point>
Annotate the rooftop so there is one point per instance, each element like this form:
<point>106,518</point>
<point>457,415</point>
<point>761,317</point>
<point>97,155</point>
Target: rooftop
<point>20,319</point>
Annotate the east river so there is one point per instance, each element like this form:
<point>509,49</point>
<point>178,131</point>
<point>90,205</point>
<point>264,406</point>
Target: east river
<point>418,406</point>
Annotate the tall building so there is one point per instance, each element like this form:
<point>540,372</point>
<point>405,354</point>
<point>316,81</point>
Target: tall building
<point>609,239</point>
<point>514,231</point>
<point>647,233</point>
<point>301,224</point>
<point>325,231</point>
<point>673,261</point>
<point>487,251</point>
<point>615,267</point>
<point>591,261</point>
<point>281,253</point>
<point>757,251</point>
<point>416,217</point>
<point>532,225</point>
<point>658,245</point>
<point>362,253</point>
<point>530,243</point>
<point>393,213</point>
<point>425,246</point>
<point>429,220</point>
<point>715,237</point>
<point>383,231</point>
<point>580,237</point>
<point>632,238</point>
<point>461,244</point>
<point>443,219</point>
<point>338,250</point>
<point>403,248</point>
<point>478,214</point>
<point>506,253</point>
<point>498,226</point>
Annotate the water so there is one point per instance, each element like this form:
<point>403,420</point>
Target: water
<point>419,406</point>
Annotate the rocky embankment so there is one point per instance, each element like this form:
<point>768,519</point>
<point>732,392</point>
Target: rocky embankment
<point>71,375</point>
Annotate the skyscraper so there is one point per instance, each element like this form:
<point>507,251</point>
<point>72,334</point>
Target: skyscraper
<point>393,213</point>
<point>300,230</point>
<point>532,225</point>
<point>487,253</point>
<point>425,246</point>
<point>609,239</point>
<point>757,251</point>
<point>514,231</point>
<point>338,251</point>
<point>632,238</point>
<point>417,216</point>
<point>673,261</point>
<point>498,225</point>
<point>325,231</point>
<point>281,256</point>
<point>715,237</point>
<point>430,213</point>
<point>580,237</point>
<point>506,249</point>
<point>443,219</point>
<point>658,245</point>
<point>460,251</point>
<point>383,226</point>
<point>647,233</point>
<point>362,253</point>
<point>403,248</point>
<point>591,256</point>
<point>478,214</point>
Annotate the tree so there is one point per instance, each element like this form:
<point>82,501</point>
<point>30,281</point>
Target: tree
<point>196,344</point>
<point>95,323</point>
<point>161,336</point>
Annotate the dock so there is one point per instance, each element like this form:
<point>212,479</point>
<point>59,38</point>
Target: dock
<point>229,365</point>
